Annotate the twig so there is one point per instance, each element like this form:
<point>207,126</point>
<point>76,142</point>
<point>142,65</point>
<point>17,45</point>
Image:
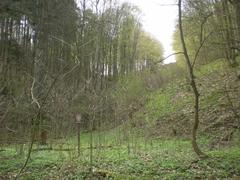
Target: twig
<point>34,100</point>
<point>11,130</point>
<point>200,47</point>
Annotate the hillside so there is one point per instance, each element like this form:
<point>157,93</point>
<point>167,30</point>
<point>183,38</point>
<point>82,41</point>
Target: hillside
<point>170,109</point>
<point>119,89</point>
<point>156,142</point>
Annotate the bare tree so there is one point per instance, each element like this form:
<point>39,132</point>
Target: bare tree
<point>193,85</point>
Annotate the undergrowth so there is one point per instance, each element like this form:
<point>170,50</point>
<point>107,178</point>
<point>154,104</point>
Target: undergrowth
<point>127,153</point>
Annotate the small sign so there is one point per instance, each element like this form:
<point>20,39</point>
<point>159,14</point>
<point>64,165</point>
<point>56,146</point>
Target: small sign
<point>78,118</point>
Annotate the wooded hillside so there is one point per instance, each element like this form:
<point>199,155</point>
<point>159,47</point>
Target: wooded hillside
<point>85,92</point>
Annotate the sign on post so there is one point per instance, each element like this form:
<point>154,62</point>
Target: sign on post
<point>78,121</point>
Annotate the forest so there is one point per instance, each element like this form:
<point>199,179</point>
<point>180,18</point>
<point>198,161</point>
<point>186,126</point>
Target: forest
<point>86,93</point>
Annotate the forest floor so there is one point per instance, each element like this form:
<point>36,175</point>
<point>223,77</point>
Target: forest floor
<point>160,159</point>
<point>157,146</point>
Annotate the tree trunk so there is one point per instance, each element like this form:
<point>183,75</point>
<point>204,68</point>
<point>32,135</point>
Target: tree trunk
<point>236,5</point>
<point>229,35</point>
<point>193,85</point>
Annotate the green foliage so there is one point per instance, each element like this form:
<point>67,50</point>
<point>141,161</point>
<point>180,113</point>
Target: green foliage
<point>160,105</point>
<point>208,31</point>
<point>162,158</point>
<point>215,66</point>
<point>150,49</point>
<point>166,101</point>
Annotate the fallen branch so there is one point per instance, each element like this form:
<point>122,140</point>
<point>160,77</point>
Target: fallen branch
<point>53,149</point>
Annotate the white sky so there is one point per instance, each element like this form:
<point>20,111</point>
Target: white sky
<point>159,19</point>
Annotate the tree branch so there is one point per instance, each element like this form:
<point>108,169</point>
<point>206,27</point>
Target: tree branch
<point>10,130</point>
<point>34,100</point>
<point>200,47</point>
<point>161,60</point>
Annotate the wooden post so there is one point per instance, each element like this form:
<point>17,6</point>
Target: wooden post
<point>78,121</point>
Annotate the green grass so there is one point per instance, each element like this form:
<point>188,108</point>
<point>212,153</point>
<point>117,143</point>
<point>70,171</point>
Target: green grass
<point>158,159</point>
<point>165,102</point>
<point>214,66</point>
<point>177,95</point>
<point>159,105</point>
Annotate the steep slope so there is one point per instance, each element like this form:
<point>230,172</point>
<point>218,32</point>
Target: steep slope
<point>169,111</point>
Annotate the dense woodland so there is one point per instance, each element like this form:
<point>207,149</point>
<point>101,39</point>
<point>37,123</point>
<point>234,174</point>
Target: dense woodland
<point>85,92</point>
<point>60,59</point>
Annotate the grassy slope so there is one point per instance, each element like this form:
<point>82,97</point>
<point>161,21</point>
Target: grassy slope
<point>171,108</point>
<point>151,155</point>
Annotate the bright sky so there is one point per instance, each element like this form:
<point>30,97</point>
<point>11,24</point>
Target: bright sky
<point>159,19</point>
